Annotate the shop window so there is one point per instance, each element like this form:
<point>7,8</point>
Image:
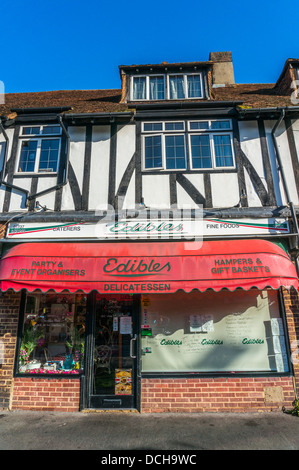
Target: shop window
<point>53,334</point>
<point>226,332</point>
<point>38,149</point>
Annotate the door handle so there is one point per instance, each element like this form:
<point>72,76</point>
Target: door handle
<point>131,347</point>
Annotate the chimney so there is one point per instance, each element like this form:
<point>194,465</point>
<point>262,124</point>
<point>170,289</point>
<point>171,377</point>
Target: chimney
<point>223,71</point>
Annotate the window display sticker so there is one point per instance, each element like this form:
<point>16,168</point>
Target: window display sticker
<point>125,325</point>
<point>115,323</point>
<point>281,363</point>
<point>277,326</point>
<point>201,323</point>
<point>279,345</point>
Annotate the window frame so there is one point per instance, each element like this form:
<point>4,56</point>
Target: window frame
<point>187,133</point>
<point>212,149</point>
<point>166,86</point>
<point>38,138</point>
<point>185,85</point>
<point>163,134</point>
<point>147,87</point>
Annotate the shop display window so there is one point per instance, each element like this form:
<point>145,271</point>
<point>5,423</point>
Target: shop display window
<point>224,332</point>
<point>53,334</point>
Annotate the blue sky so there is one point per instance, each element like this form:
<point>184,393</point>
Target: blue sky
<point>72,44</point>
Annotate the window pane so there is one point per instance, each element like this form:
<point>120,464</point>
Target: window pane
<point>200,151</point>
<point>139,85</point>
<point>174,126</point>
<point>176,87</point>
<point>51,130</point>
<point>156,88</point>
<point>153,126</point>
<point>175,152</point>
<point>28,155</point>
<point>223,151</point>
<point>53,334</point>
<point>220,125</point>
<point>224,316</point>
<point>49,155</point>
<point>153,152</point>
<point>194,86</point>
<point>31,130</point>
<point>199,125</point>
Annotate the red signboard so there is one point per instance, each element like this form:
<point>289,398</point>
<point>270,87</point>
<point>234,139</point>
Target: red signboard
<point>122,268</point>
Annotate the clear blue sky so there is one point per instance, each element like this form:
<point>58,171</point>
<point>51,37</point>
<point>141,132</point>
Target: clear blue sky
<point>72,44</point>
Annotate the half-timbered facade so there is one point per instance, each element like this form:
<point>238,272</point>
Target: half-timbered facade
<point>127,182</point>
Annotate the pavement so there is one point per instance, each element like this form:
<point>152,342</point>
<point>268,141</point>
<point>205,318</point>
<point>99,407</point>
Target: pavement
<point>147,433</point>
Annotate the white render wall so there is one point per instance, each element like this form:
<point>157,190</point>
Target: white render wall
<point>156,187</point>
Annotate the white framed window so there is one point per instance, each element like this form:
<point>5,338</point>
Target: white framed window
<point>145,87</point>
<point>184,86</point>
<point>39,149</point>
<point>210,145</point>
<point>165,150</point>
<point>211,151</point>
<point>166,86</point>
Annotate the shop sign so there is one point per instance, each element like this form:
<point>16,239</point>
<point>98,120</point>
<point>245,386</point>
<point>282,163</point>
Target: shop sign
<point>147,229</point>
<point>151,270</point>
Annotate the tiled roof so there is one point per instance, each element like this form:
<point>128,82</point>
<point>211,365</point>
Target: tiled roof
<point>253,95</point>
<point>101,101</point>
<point>80,101</point>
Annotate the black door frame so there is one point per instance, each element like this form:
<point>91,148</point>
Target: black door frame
<point>87,378</point>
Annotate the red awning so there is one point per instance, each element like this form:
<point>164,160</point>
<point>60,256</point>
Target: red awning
<point>152,267</point>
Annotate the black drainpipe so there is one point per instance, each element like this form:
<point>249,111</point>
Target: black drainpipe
<point>284,182</point>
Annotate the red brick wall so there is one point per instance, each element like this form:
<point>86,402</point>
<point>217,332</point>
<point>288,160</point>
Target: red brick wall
<point>219,394</point>
<point>40,394</point>
<point>9,316</point>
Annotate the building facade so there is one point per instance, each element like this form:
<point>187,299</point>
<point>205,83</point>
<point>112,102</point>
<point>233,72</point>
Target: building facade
<point>149,241</point>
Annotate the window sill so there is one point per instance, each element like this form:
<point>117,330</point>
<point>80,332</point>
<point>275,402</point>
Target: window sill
<point>31,175</point>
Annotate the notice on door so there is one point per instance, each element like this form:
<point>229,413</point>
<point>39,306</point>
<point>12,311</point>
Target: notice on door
<point>123,382</point>
<point>125,325</point>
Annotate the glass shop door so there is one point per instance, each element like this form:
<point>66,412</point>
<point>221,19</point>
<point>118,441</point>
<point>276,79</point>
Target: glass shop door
<point>114,352</point>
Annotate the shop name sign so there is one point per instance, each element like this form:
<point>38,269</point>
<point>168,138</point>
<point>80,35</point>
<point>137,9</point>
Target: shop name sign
<point>148,229</point>
<point>133,268</point>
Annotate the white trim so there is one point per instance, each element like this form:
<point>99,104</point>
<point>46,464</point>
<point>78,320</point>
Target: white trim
<point>38,138</point>
<point>147,87</point>
<point>185,85</point>
<point>209,129</point>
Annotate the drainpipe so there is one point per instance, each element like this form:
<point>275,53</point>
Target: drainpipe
<point>66,169</point>
<point>284,181</point>
<point>5,183</point>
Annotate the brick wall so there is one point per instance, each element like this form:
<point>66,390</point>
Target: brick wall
<point>291,303</point>
<point>220,394</point>
<point>9,315</point>
<point>40,394</point>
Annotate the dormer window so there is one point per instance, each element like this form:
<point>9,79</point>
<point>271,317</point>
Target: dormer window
<point>184,86</point>
<point>148,88</point>
<point>178,86</point>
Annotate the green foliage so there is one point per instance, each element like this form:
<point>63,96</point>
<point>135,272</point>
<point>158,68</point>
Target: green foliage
<point>30,339</point>
<point>295,410</point>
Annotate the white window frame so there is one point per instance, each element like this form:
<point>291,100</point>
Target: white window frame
<point>187,133</point>
<point>38,138</point>
<point>212,148</point>
<point>209,129</point>
<point>163,146</point>
<point>147,87</point>
<point>185,86</point>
